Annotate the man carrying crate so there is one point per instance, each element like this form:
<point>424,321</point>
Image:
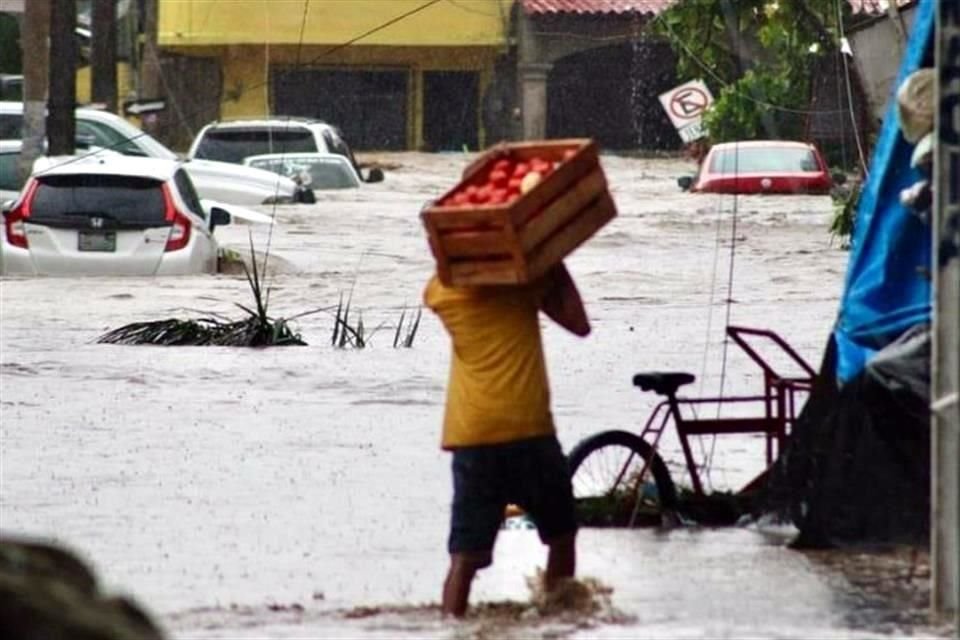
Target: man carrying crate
<point>498,423</point>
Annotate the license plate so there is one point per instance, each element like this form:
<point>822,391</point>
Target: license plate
<point>98,241</point>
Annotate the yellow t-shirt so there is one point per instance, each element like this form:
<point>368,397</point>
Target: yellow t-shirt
<point>498,389</point>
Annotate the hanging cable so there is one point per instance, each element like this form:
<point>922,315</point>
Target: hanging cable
<point>846,73</point>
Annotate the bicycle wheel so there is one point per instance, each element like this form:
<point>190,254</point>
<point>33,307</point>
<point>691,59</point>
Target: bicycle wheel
<point>605,470</point>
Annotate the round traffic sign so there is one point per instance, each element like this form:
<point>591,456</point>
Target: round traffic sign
<point>688,103</point>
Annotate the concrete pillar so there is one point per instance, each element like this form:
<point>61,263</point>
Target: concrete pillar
<point>533,99</point>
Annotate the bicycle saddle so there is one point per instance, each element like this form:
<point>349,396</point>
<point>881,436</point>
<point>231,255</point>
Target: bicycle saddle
<point>665,383</point>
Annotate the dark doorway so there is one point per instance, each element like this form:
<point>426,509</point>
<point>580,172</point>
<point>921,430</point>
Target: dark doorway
<point>369,107</point>
<point>450,103</point>
<point>611,94</point>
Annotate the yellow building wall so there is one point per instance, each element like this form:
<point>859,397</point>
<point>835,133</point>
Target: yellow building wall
<point>246,81</point>
<point>250,37</point>
<point>125,84</point>
<point>334,22</point>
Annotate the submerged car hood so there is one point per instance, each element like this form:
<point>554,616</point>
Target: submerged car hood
<point>237,184</point>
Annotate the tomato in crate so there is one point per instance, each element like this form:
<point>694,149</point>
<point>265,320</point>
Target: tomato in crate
<point>555,198</point>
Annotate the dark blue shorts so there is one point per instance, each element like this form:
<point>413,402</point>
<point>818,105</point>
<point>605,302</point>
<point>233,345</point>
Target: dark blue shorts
<point>531,474</point>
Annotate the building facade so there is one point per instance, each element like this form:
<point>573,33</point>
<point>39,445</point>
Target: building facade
<point>429,75</point>
<point>392,74</point>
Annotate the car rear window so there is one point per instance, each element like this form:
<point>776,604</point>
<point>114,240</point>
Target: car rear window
<point>233,145</point>
<point>122,200</point>
<point>324,173</point>
<point>759,159</point>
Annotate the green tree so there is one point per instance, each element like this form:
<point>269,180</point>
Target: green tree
<point>756,55</point>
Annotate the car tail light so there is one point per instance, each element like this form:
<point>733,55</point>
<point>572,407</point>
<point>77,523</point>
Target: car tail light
<point>180,228</point>
<point>14,220</point>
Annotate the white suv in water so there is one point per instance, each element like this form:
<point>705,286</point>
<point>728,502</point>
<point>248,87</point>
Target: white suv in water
<point>214,180</point>
<point>236,140</point>
<point>109,215</point>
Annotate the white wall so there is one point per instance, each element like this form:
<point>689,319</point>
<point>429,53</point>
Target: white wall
<point>12,6</point>
<point>877,50</point>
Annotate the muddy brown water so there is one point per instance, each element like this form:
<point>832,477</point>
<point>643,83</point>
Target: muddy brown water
<point>300,492</point>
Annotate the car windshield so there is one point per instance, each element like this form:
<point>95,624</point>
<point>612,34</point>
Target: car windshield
<point>759,159</point>
<point>8,171</point>
<point>119,135</point>
<point>234,144</point>
<point>124,200</point>
<point>323,173</point>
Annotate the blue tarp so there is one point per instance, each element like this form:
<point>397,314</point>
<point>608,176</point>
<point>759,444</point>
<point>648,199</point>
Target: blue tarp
<point>887,288</point>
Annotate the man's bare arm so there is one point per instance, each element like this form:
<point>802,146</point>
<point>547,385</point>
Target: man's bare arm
<point>562,302</point>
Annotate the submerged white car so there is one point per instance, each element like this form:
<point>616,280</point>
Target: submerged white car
<point>110,215</point>
<point>314,170</point>
<point>222,181</point>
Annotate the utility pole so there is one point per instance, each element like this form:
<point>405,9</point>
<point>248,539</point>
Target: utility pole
<point>61,124</point>
<point>149,88</point>
<point>103,88</point>
<point>945,360</point>
<point>34,41</point>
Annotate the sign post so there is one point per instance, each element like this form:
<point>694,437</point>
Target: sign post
<point>685,105</point>
<point>945,360</point>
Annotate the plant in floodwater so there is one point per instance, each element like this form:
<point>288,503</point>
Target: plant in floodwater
<point>346,335</point>
<point>407,341</point>
<point>258,329</point>
<point>844,214</point>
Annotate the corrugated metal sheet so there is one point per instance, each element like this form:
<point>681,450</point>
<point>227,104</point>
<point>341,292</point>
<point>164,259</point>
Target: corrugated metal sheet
<point>585,7</point>
<point>655,7</point>
<point>874,7</point>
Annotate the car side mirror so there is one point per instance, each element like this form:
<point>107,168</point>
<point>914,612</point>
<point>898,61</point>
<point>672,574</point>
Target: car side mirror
<point>375,175</point>
<point>685,182</point>
<point>218,217</point>
<point>839,177</point>
<point>304,195</point>
<point>7,206</point>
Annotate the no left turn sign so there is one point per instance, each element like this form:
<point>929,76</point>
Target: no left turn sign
<point>687,103</point>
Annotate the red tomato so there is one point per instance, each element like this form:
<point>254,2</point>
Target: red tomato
<point>513,184</point>
<point>481,195</point>
<point>498,196</point>
<point>499,177</point>
<point>460,198</point>
<point>503,164</point>
<point>541,166</point>
<point>569,153</point>
<point>521,170</point>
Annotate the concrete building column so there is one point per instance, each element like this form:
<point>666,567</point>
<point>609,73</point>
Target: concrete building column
<point>533,99</point>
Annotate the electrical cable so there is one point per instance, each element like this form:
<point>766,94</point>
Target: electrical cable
<point>846,73</point>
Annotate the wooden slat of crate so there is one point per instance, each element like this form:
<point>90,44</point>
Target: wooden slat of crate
<point>560,211</point>
<point>459,218</point>
<point>578,230</point>
<point>475,244</point>
<point>568,238</point>
<point>481,272</point>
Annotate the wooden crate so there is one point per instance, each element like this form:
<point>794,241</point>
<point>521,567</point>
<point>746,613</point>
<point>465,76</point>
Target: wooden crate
<point>518,242</point>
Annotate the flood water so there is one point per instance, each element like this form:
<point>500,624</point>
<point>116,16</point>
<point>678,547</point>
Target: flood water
<point>300,492</point>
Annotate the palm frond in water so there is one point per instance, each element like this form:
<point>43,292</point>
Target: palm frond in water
<point>250,332</point>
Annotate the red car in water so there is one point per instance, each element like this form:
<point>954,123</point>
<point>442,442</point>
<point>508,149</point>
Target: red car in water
<point>761,166</point>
